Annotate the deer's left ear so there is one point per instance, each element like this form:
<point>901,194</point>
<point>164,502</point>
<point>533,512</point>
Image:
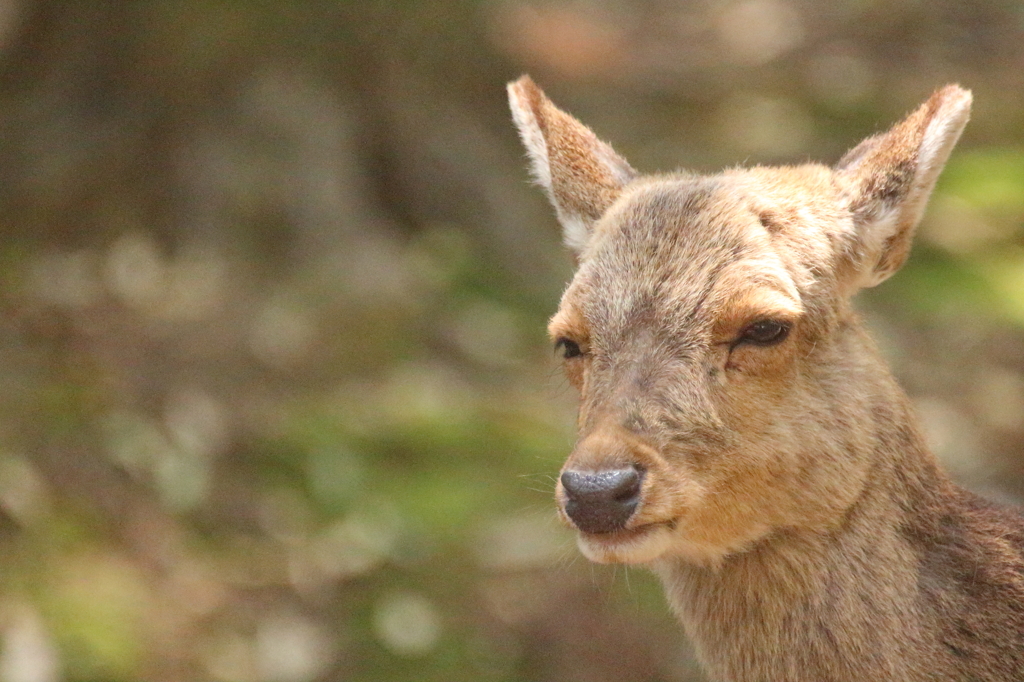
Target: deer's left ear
<point>887,179</point>
<point>580,174</point>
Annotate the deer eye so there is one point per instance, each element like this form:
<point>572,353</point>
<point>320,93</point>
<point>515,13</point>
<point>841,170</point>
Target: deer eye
<point>570,349</point>
<point>764,333</point>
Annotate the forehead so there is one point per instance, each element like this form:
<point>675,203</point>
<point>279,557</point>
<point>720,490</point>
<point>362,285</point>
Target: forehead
<point>673,247</point>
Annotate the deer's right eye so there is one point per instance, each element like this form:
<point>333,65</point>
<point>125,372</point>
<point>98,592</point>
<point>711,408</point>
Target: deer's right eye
<point>570,349</point>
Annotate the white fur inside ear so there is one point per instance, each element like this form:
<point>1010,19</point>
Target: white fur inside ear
<point>943,132</point>
<point>874,237</point>
<point>575,231</point>
<point>533,139</point>
<point>619,169</point>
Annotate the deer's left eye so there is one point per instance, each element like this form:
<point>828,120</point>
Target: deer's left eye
<point>570,349</point>
<point>764,333</point>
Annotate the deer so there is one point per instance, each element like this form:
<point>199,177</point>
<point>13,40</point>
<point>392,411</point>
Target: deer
<point>739,433</point>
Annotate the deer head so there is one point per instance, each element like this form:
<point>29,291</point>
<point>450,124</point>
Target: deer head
<point>726,388</point>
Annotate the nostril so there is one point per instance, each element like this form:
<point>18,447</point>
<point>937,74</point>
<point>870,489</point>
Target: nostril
<point>601,501</point>
<point>629,487</point>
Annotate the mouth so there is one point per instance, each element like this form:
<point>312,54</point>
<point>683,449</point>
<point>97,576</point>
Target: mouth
<point>628,546</point>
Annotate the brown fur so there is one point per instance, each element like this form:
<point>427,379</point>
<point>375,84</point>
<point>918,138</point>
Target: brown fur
<point>802,529</point>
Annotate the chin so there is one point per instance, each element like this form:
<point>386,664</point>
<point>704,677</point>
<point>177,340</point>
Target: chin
<point>650,543</point>
<point>638,546</point>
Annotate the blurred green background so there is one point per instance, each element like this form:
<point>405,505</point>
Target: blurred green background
<point>276,402</point>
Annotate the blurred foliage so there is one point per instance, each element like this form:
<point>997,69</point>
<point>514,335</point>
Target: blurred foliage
<point>276,401</point>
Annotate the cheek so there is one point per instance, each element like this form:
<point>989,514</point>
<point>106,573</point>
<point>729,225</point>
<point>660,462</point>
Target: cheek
<point>758,385</point>
<point>718,360</point>
<point>575,371</point>
<point>773,363</point>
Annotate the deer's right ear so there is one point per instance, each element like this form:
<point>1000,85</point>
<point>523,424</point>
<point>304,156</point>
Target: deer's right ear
<point>580,174</point>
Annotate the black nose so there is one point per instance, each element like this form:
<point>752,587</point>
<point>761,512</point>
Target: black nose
<point>601,501</point>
